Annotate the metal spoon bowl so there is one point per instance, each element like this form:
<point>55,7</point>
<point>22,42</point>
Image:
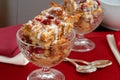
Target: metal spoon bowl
<point>83,68</point>
<point>86,69</point>
<point>101,63</point>
<point>96,63</point>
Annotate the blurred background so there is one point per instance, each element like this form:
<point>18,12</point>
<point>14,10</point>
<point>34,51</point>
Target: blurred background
<point>13,12</point>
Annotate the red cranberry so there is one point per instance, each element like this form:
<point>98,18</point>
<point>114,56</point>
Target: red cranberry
<point>98,2</point>
<point>83,6</point>
<point>38,19</point>
<point>36,50</point>
<point>57,22</point>
<point>50,17</point>
<point>46,22</point>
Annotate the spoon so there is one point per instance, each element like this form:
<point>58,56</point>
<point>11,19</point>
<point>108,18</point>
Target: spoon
<point>84,68</point>
<point>96,63</point>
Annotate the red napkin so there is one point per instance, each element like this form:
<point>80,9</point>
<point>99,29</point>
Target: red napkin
<point>8,45</point>
<point>117,39</point>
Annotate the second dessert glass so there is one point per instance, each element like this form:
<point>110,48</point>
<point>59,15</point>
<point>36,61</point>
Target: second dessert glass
<point>87,17</point>
<point>45,58</point>
<point>82,27</point>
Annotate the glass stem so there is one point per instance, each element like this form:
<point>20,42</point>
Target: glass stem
<point>80,36</point>
<point>45,69</point>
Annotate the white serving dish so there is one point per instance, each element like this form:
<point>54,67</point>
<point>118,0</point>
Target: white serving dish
<point>111,9</point>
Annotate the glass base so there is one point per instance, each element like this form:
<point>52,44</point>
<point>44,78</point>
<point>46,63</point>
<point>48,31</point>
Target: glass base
<point>83,45</point>
<point>52,74</point>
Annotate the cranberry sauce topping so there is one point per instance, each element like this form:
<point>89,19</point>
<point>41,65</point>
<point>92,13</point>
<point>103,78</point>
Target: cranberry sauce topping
<point>50,17</point>
<point>98,2</point>
<point>36,50</point>
<point>57,22</point>
<point>38,19</point>
<point>46,21</point>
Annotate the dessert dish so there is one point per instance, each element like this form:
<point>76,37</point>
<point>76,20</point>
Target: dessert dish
<point>47,36</point>
<point>90,18</point>
<point>90,13</point>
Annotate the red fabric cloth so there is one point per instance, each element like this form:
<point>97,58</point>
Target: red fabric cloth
<point>101,51</point>
<point>117,38</point>
<point>8,45</point>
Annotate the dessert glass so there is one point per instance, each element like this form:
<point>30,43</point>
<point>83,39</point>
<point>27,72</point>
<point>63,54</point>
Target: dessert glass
<point>45,57</point>
<point>81,43</point>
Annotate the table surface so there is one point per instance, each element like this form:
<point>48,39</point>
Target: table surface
<point>101,51</point>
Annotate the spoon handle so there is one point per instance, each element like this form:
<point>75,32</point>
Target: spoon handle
<point>77,60</point>
<point>82,61</point>
<point>70,60</point>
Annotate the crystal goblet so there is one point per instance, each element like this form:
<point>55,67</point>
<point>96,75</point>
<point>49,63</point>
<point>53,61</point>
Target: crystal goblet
<point>45,58</point>
<point>82,27</point>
